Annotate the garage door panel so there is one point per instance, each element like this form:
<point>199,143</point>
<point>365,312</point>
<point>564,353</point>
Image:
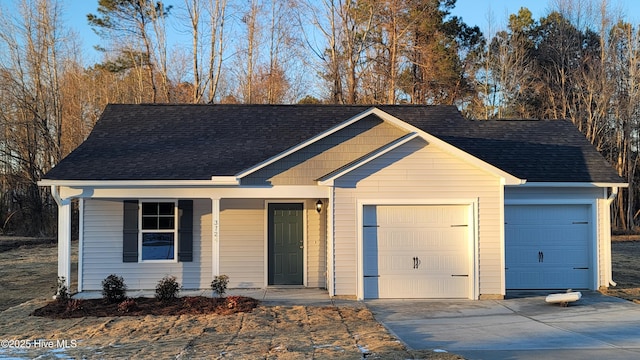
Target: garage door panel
<point>546,214</point>
<point>455,264</point>
<point>426,216</point>
<point>421,239</point>
<point>403,287</point>
<point>413,251</point>
<point>548,246</point>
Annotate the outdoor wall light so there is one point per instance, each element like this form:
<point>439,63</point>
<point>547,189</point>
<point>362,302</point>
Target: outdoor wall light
<point>319,206</point>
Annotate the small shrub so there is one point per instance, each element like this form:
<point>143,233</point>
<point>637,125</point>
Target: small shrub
<point>114,289</point>
<point>127,305</point>
<point>167,288</point>
<point>62,292</point>
<point>219,284</point>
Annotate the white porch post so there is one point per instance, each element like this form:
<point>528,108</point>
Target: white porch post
<point>64,241</point>
<point>64,236</point>
<point>330,244</point>
<point>215,237</point>
<point>80,242</point>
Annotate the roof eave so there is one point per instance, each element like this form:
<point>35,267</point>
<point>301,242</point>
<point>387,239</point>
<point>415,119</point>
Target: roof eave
<point>573,184</point>
<point>215,181</point>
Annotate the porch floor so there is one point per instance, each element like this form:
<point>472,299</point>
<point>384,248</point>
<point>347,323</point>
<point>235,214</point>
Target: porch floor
<point>268,296</point>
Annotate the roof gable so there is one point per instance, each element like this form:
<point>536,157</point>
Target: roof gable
<point>414,132</point>
<point>324,154</point>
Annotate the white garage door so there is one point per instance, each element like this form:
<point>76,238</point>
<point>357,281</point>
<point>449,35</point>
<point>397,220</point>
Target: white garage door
<point>416,252</point>
<point>548,247</point>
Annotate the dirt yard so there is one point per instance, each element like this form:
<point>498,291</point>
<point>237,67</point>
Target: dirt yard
<point>626,270</point>
<point>27,281</point>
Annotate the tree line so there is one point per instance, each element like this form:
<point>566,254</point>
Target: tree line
<point>580,61</point>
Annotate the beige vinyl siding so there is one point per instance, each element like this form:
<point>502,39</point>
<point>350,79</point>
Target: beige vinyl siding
<point>242,246</point>
<point>242,242</point>
<point>305,166</point>
<point>316,260</point>
<point>102,250</point>
<point>414,171</point>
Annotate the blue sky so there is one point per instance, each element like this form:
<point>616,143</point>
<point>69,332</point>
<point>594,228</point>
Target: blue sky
<point>473,12</point>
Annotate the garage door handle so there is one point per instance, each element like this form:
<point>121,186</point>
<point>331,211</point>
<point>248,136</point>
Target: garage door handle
<point>460,275</point>
<point>416,262</point>
<point>584,268</point>
<point>540,256</point>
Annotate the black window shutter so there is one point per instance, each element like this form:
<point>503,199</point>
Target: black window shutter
<point>185,230</point>
<point>130,232</point>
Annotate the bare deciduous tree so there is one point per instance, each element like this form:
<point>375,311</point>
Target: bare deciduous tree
<point>33,139</point>
<point>127,23</point>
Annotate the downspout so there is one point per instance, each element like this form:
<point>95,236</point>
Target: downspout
<point>55,193</point>
<point>614,194</point>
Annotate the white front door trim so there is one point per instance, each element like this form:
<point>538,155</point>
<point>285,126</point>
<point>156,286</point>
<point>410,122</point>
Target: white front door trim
<point>266,237</point>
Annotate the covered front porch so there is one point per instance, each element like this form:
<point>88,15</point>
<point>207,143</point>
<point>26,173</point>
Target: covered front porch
<point>278,237</point>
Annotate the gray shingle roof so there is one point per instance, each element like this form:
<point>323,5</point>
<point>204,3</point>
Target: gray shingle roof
<point>535,150</point>
<point>195,142</point>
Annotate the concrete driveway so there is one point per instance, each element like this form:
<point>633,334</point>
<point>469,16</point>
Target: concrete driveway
<point>595,327</point>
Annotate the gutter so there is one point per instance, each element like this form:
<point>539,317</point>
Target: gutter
<point>614,194</point>
<point>215,180</point>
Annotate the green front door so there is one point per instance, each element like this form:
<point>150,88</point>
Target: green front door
<point>285,244</point>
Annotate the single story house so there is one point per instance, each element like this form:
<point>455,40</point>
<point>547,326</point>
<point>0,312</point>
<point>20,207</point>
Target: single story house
<point>393,201</point>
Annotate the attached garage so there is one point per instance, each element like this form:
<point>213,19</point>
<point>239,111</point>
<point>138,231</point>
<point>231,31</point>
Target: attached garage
<point>417,251</point>
<point>549,246</point>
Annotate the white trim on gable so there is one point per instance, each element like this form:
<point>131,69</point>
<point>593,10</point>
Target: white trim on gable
<point>305,143</point>
<point>445,146</point>
<point>329,178</point>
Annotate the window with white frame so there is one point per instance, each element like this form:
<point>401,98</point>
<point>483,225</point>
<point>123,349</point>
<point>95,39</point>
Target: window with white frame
<point>158,231</point>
